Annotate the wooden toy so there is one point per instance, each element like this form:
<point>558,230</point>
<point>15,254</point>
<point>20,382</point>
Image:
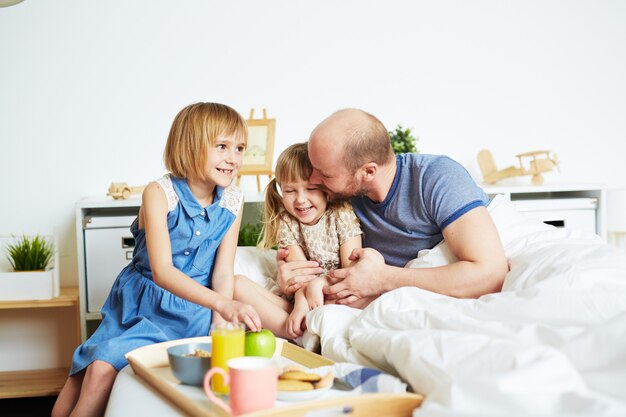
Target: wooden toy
<point>530,163</point>
<point>123,191</point>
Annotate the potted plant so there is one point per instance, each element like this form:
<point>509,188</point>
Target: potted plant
<point>249,234</point>
<point>402,141</point>
<point>28,269</point>
<point>30,254</point>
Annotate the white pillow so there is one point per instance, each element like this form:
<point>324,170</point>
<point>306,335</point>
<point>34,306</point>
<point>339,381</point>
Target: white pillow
<point>516,228</point>
<point>440,255</point>
<point>257,264</point>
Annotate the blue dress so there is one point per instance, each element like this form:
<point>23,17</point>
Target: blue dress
<point>137,311</point>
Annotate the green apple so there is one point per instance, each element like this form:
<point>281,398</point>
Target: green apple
<point>261,343</point>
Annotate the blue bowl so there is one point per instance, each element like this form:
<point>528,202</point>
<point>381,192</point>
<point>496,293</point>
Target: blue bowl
<point>189,370</point>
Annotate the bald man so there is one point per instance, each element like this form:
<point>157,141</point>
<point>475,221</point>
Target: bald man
<point>405,203</point>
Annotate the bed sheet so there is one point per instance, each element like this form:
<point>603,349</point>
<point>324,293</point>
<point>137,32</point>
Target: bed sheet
<point>552,343</point>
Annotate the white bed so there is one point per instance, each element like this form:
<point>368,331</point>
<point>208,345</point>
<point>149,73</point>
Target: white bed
<point>552,343</point>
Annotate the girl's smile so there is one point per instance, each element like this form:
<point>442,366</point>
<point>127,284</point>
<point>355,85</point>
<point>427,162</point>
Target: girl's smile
<point>228,172</point>
<point>304,201</point>
<point>225,159</point>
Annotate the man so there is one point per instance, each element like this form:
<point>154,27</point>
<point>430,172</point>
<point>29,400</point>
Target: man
<point>405,203</point>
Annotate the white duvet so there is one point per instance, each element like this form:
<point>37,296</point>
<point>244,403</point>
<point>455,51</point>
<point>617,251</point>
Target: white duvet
<point>552,343</point>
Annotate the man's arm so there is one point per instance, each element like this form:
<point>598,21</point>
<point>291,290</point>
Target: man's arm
<point>294,275</point>
<point>472,238</point>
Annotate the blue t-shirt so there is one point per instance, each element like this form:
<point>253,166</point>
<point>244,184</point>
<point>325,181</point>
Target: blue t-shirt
<point>428,193</point>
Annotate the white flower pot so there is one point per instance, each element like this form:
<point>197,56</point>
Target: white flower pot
<point>27,285</point>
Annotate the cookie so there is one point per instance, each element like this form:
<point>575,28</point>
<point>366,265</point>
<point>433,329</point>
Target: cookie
<point>326,381</point>
<point>300,376</point>
<point>293,385</point>
<point>292,368</point>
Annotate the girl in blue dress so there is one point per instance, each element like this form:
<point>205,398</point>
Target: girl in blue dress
<point>181,277</point>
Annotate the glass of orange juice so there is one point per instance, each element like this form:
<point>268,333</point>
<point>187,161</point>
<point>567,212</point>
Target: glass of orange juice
<point>228,341</point>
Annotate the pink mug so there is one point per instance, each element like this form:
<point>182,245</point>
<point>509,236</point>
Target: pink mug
<point>252,380</point>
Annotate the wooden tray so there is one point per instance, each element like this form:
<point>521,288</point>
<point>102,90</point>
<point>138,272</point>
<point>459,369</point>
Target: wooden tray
<point>151,364</point>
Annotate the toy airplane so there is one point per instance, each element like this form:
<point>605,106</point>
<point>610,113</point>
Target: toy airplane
<point>537,162</point>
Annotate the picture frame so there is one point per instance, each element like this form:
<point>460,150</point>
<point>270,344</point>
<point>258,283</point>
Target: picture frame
<point>259,155</point>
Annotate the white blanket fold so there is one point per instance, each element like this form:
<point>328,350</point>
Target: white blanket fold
<point>552,343</point>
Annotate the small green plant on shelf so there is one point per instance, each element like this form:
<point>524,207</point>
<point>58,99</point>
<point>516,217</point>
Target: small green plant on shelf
<point>249,234</point>
<point>402,141</point>
<point>30,253</point>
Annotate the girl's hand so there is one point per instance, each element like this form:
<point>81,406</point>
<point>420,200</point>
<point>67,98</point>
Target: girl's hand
<point>237,312</point>
<point>295,324</point>
<point>217,319</point>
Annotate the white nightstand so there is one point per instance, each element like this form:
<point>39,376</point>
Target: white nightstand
<point>580,206</point>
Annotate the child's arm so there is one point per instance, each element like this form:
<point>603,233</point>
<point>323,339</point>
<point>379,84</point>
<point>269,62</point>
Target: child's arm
<point>345,250</point>
<point>310,295</point>
<point>295,254</point>
<point>153,215</point>
<point>223,280</point>
<point>296,318</point>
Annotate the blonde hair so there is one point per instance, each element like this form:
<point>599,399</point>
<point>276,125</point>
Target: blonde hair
<point>293,165</point>
<point>194,130</point>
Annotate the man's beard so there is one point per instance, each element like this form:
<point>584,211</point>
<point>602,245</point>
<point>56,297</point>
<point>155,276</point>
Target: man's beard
<point>352,190</point>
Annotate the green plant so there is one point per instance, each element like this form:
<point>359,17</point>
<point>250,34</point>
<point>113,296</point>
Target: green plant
<point>402,141</point>
<point>30,253</point>
<point>249,234</point>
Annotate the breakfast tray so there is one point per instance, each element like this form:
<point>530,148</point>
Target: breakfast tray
<point>151,364</point>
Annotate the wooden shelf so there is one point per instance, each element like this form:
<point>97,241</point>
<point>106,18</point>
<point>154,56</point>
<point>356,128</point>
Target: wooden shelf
<point>68,298</point>
<point>36,383</point>
<point>40,382</point>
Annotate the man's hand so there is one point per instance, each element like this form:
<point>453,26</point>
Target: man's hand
<point>365,277</point>
<point>293,275</point>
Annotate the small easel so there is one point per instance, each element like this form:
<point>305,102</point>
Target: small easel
<point>257,159</point>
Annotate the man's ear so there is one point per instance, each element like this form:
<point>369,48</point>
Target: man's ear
<point>369,170</point>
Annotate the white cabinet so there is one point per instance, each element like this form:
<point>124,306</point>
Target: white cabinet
<point>577,206</point>
<point>109,246</point>
<point>101,226</point>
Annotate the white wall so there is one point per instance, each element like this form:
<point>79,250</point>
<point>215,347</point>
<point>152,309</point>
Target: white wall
<point>88,89</point>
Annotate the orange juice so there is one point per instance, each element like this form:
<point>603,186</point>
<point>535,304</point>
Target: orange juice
<point>228,342</point>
